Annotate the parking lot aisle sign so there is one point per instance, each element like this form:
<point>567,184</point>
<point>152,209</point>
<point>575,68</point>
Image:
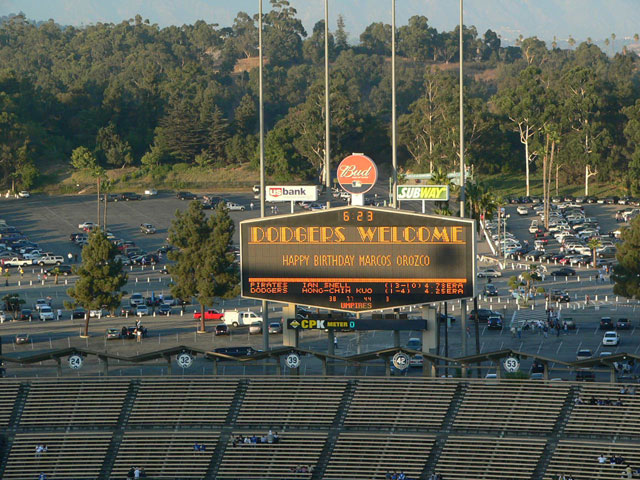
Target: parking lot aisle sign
<point>511,364</point>
<point>75,361</point>
<point>293,360</point>
<point>401,361</point>
<point>185,360</point>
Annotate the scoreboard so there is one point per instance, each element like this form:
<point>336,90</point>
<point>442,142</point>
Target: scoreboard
<point>357,259</point>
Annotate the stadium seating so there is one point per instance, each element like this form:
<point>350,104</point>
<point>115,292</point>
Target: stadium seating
<point>400,404</point>
<point>511,406</point>
<point>8,394</point>
<point>165,454</point>
<point>489,458</point>
<point>90,404</point>
<point>280,402</point>
<point>373,455</point>
<point>580,459</point>
<point>183,402</point>
<point>272,460</point>
<point>605,419</point>
<point>77,456</point>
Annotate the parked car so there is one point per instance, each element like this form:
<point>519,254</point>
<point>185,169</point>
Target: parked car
<point>236,351</point>
<point>484,314</point>
<point>77,313</point>
<point>490,290</point>
<point>112,333</point>
<point>222,329</point>
<point>41,302</point>
<point>209,314</point>
<point>151,192</point>
<point>585,375</point>
<point>60,270</point>
<point>26,314</point>
<point>255,328</point>
<point>623,324</point>
<point>611,338</point>
<point>564,272</point>
<point>606,323</point>
<point>130,196</point>
<point>234,206</point>
<point>46,313</point>
<point>571,323</point>
<point>489,273</point>
<point>558,296</point>
<point>22,338</point>
<point>522,210</point>
<point>275,327</point>
<point>136,299</point>
<point>86,226</point>
<point>147,228</point>
<point>142,310</point>
<point>494,323</point>
<point>24,194</point>
<point>164,309</point>
<point>50,260</point>
<point>186,196</point>
<point>584,354</point>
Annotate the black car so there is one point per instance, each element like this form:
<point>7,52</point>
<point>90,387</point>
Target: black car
<point>442,318</point>
<point>222,329</point>
<point>186,196</point>
<point>606,323</point>
<point>585,376</point>
<point>125,197</point>
<point>484,314</point>
<point>537,367</point>
<point>564,272</point>
<point>590,199</point>
<point>111,197</point>
<point>494,323</point>
<point>61,270</point>
<point>623,324</point>
<point>130,332</point>
<point>490,290</point>
<point>611,200</point>
<point>559,296</point>
<point>77,313</point>
<point>127,310</point>
<point>164,309</point>
<point>27,314</point>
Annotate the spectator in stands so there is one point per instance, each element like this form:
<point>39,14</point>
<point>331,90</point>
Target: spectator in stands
<point>602,459</point>
<point>270,437</point>
<point>130,473</point>
<point>42,476</point>
<point>136,473</point>
<point>143,474</point>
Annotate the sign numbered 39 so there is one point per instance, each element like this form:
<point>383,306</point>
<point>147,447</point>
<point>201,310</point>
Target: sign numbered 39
<point>293,360</point>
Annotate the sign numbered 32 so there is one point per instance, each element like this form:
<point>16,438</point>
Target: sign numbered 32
<point>184,360</point>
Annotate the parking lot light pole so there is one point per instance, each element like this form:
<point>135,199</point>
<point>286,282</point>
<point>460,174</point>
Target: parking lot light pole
<point>463,302</point>
<point>265,305</point>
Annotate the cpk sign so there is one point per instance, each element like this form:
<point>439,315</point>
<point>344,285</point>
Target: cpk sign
<point>357,174</point>
<point>298,193</point>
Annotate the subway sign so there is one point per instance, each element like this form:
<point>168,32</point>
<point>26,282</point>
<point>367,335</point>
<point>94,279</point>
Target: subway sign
<point>439,193</point>
<point>357,259</point>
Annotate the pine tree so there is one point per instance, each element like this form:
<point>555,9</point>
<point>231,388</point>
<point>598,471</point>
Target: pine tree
<point>180,133</point>
<point>100,277</point>
<point>204,266</point>
<point>245,116</point>
<point>217,134</point>
<point>341,35</point>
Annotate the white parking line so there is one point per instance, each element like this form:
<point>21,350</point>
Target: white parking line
<point>561,346</point>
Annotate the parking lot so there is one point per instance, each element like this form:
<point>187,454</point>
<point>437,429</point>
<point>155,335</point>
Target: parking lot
<point>50,220</point>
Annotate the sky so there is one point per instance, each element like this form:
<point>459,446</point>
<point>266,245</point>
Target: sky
<point>597,19</point>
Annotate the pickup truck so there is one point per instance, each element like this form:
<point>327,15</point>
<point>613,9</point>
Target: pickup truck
<point>209,314</point>
<point>18,262</point>
<point>235,318</point>
<point>50,260</point>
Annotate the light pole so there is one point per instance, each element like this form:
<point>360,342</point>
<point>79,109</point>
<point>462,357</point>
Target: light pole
<point>463,302</point>
<point>327,156</point>
<point>394,159</point>
<point>265,305</point>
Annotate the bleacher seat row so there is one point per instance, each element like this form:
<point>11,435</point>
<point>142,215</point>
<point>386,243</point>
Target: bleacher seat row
<point>357,428</point>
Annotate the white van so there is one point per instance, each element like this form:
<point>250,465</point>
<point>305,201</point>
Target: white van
<point>236,319</point>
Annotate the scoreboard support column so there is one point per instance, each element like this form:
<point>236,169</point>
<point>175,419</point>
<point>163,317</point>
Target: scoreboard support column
<point>290,336</point>
<point>429,338</point>
<point>463,326</point>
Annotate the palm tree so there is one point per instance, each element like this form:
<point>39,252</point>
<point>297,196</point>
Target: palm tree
<point>440,177</point>
<point>636,37</point>
<point>571,41</point>
<point>480,202</point>
<point>594,244</point>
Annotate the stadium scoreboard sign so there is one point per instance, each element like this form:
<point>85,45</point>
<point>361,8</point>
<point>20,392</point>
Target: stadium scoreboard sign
<point>357,259</point>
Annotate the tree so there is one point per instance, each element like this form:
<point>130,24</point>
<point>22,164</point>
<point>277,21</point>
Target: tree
<point>376,38</point>
<point>204,266</point>
<point>594,244</point>
<point>112,148</point>
<point>283,34</point>
<point>522,105</point>
<point>13,303</point>
<point>341,35</point>
<point>626,274</point>
<point>82,158</point>
<point>100,277</point>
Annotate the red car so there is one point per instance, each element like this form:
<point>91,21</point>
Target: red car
<point>209,314</point>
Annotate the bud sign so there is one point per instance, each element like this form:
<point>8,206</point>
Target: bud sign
<point>357,174</point>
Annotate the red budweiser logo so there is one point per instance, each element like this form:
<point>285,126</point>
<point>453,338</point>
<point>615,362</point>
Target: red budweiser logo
<point>357,173</point>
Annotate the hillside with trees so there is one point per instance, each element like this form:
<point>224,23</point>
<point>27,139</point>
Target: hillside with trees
<point>154,103</point>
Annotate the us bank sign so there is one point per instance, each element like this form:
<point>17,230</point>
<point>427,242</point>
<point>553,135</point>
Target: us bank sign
<point>289,193</point>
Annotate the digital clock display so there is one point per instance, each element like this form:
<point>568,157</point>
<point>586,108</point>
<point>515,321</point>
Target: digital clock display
<point>357,258</point>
